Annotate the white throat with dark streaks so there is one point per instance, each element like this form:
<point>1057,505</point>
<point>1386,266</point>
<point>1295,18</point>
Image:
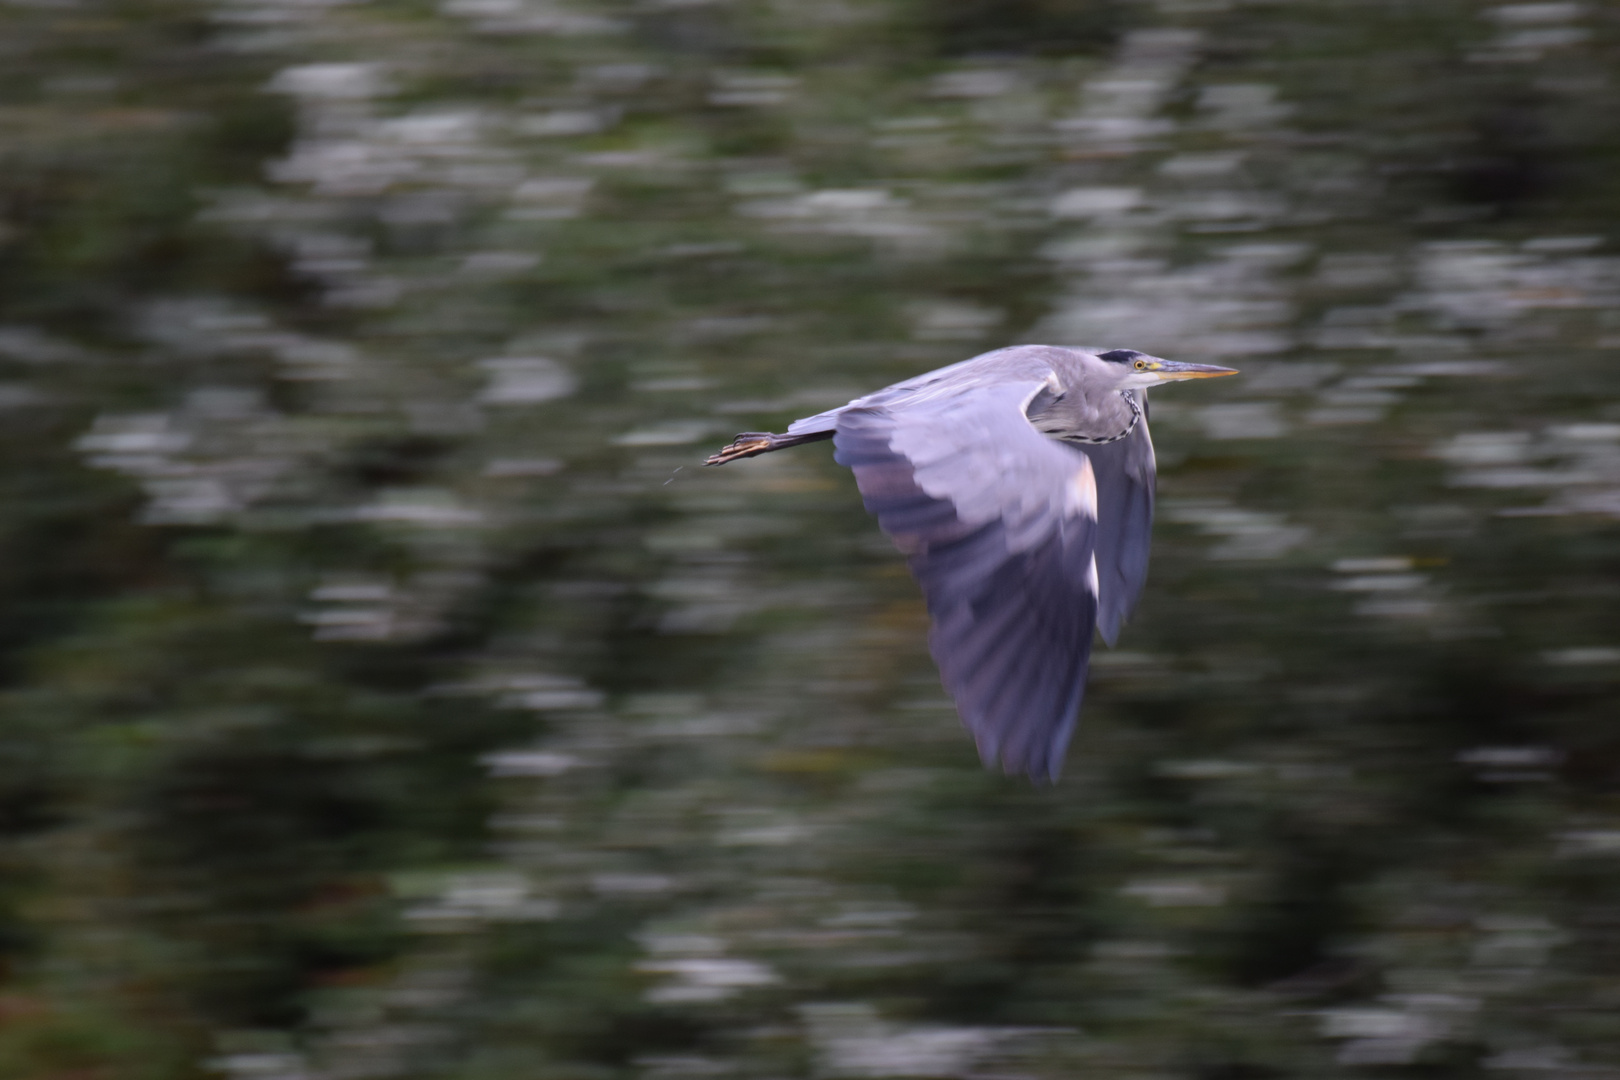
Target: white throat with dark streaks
<point>1095,440</point>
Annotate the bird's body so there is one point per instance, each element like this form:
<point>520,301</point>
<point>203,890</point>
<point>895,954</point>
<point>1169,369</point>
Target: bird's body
<point>1019,484</point>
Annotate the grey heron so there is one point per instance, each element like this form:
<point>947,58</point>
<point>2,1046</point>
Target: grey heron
<point>1019,484</point>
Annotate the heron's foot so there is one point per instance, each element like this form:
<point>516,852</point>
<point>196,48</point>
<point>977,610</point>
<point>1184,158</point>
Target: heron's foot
<point>748,444</point>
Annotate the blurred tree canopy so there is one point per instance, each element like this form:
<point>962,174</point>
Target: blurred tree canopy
<point>388,694</point>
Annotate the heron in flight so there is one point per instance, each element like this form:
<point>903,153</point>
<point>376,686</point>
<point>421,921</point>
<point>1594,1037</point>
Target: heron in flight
<point>1019,484</point>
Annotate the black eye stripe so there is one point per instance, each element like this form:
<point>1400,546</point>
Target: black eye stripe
<point>1119,356</point>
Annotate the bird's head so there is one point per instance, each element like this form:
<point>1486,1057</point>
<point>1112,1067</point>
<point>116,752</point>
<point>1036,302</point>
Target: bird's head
<point>1139,369</point>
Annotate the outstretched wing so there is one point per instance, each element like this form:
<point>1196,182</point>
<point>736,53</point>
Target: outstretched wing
<point>1000,525</point>
<point>1125,479</point>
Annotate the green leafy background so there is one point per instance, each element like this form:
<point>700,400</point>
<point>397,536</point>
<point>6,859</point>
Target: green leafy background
<point>385,690</point>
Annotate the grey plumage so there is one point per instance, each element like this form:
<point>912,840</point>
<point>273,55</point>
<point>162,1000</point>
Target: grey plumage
<point>1019,484</point>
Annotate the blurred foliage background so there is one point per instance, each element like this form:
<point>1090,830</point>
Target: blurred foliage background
<point>387,692</point>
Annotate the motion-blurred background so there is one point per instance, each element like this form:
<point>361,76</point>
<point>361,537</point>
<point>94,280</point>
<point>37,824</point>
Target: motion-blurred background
<point>388,693</point>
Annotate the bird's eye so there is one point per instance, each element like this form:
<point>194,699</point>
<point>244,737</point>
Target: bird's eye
<point>1140,365</point>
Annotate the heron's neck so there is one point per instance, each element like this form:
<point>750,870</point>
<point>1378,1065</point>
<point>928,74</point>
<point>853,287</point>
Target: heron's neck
<point>1129,397</point>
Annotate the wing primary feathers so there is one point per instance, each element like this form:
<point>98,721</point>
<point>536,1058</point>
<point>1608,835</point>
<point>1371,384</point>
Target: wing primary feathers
<point>999,526</point>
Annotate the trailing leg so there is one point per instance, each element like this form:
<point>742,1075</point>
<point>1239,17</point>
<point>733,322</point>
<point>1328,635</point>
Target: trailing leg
<point>754,443</point>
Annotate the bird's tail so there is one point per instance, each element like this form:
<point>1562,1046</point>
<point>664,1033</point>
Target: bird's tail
<point>754,443</point>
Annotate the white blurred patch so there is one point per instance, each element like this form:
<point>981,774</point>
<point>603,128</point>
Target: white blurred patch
<point>766,836</point>
<point>1512,764</point>
<point>1398,1030</point>
<point>498,896</point>
<point>1246,420</point>
<point>1515,942</point>
<point>526,380</point>
<point>422,507</point>
<point>1485,448</point>
<point>509,763</point>
<point>1116,114</point>
<point>529,17</point>
<point>333,82</point>
<point>1200,166</point>
<point>1249,534</point>
<point>851,1041</point>
<point>631,884</point>
<point>520,467</point>
<point>217,455</point>
<point>752,89</point>
<point>705,978</point>
<point>697,970</point>
<point>1526,31</point>
<point>261,1066</point>
<point>565,122</point>
<point>541,693</point>
<point>673,384</point>
<point>952,320</point>
<point>31,346</point>
<point>354,608</point>
<point>1090,202</point>
<point>1208,769</point>
<point>1531,14</point>
<point>672,433</point>
<point>1588,843</point>
<point>493,263</point>
<point>1380,1036</point>
<point>1582,656</point>
<point>550,198</point>
<point>1380,583</point>
<point>873,213</point>
<point>125,441</point>
<point>1376,564</point>
<point>1175,892</point>
<point>1511,757</point>
<point>974,83</point>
